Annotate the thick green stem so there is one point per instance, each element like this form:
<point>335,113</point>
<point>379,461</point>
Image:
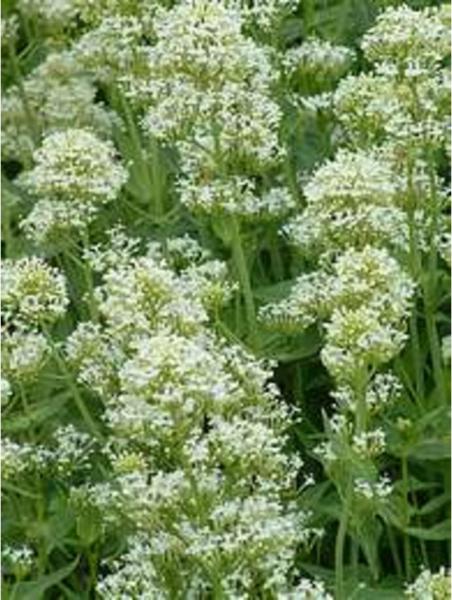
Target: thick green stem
<point>435,349</point>
<point>18,77</point>
<point>394,552</point>
<point>339,548</point>
<point>429,285</point>
<point>406,537</point>
<point>85,413</point>
<point>89,280</point>
<point>243,274</point>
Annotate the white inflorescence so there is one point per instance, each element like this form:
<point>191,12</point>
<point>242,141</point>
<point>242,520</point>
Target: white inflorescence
<point>75,173</point>
<point>59,94</point>
<point>32,292</point>
<point>193,422</point>
<point>76,166</point>
<point>318,58</point>
<point>430,586</point>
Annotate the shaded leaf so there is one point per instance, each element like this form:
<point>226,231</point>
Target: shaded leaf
<point>34,590</point>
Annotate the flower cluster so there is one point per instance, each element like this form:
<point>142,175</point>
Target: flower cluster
<point>430,586</point>
<point>56,95</point>
<point>364,301</point>
<point>373,212</point>
<point>33,297</point>
<point>193,423</point>
<point>317,63</point>
<point>207,202</point>
<point>32,292</point>
<point>352,200</point>
<point>405,101</point>
<point>75,173</point>
<point>206,87</point>
<point>69,451</point>
<point>403,36</point>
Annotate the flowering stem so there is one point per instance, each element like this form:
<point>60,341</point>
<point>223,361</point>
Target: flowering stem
<point>429,284</point>
<point>243,274</point>
<point>18,77</point>
<point>89,421</point>
<point>88,275</point>
<point>339,548</point>
<point>406,538</point>
<point>394,552</point>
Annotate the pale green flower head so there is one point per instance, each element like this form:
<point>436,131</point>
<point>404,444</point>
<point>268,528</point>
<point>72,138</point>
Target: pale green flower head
<point>59,95</point>
<point>33,292</point>
<point>75,166</point>
<point>402,34</point>
<point>24,354</point>
<point>430,586</point>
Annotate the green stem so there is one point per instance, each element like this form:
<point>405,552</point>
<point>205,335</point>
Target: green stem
<point>243,274</point>
<point>354,559</point>
<point>416,356</point>
<point>429,287</point>
<point>435,349</point>
<point>406,538</point>
<point>89,421</point>
<point>339,548</point>
<point>394,552</point>
<point>18,77</point>
<point>360,426</point>
<point>88,276</point>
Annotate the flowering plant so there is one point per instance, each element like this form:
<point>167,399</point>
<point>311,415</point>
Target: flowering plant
<point>225,295</point>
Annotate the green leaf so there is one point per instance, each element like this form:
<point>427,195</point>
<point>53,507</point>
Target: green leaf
<point>433,504</point>
<point>34,590</point>
<point>380,594</point>
<point>438,532</point>
<point>431,450</point>
<point>285,348</point>
<point>274,292</point>
<point>36,414</point>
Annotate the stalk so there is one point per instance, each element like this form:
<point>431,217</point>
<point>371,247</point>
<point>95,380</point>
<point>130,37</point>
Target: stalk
<point>244,276</point>
<point>86,415</point>
<point>406,537</point>
<point>360,426</point>
<point>429,290</point>
<point>18,77</point>
<point>339,548</point>
<point>394,552</point>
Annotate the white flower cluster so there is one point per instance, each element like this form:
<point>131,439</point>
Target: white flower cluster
<point>206,87</point>
<point>383,390</point>
<point>352,200</point>
<point>403,35</point>
<point>75,173</point>
<point>60,16</point>
<point>265,13</point>
<point>70,450</point>
<point>56,95</point>
<point>113,50</point>
<point>364,301</point>
<point>378,490</point>
<point>406,101</point>
<point>17,559</point>
<point>24,353</point>
<point>33,296</point>
<point>319,60</point>
<point>430,586</point>
<point>32,292</point>
<point>196,438</point>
